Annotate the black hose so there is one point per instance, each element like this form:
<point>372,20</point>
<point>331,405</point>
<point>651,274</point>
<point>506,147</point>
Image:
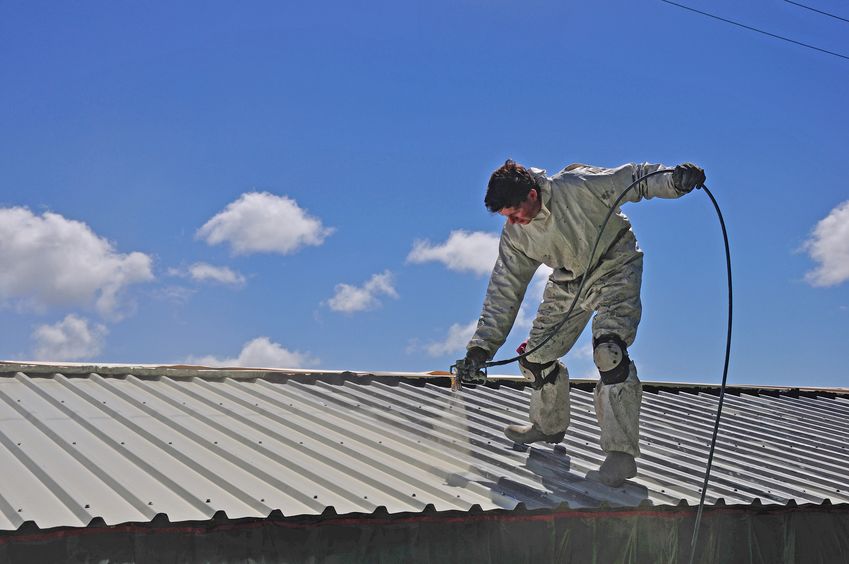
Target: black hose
<point>724,378</point>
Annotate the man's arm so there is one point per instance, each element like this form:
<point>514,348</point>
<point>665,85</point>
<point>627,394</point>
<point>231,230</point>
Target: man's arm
<point>510,277</point>
<point>608,183</point>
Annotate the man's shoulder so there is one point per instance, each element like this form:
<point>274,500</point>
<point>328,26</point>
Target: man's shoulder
<point>581,168</point>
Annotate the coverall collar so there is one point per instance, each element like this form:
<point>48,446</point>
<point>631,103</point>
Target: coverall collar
<point>544,193</point>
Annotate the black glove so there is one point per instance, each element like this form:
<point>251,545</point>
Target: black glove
<point>687,176</point>
<point>469,368</point>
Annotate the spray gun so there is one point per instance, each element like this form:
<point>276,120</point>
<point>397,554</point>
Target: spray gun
<point>467,371</point>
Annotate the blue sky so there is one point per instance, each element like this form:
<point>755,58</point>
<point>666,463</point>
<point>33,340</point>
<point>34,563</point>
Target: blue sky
<point>301,184</point>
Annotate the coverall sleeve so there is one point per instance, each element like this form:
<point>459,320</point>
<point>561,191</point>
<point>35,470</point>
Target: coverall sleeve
<point>510,277</point>
<point>608,183</point>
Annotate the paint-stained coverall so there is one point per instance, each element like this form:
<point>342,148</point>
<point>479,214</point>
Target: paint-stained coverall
<point>575,202</point>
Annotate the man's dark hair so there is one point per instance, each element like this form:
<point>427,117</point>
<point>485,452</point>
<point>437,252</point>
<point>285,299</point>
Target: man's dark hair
<point>508,186</point>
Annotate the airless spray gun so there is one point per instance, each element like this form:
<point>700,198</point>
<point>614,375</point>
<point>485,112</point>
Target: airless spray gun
<point>467,371</point>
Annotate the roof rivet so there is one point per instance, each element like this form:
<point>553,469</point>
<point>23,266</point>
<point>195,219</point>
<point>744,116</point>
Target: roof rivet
<point>208,501</point>
<point>20,509</point>
<point>150,503</point>
<point>315,497</point>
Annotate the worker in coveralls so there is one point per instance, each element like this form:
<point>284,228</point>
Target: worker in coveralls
<point>555,221</point>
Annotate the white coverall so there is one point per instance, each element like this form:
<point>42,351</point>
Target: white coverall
<point>575,202</point>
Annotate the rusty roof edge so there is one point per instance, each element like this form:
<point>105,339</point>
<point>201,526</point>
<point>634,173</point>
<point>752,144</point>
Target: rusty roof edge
<point>439,377</point>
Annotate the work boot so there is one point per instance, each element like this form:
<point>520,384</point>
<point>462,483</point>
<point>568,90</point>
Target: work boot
<point>616,468</point>
<point>527,434</point>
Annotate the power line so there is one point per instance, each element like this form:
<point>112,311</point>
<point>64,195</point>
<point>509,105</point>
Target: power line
<point>757,30</point>
<point>817,11</point>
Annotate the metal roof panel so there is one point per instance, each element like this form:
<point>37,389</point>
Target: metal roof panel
<point>80,447</point>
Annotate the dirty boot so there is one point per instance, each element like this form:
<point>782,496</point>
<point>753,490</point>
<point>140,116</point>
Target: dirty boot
<point>527,434</point>
<point>616,468</point>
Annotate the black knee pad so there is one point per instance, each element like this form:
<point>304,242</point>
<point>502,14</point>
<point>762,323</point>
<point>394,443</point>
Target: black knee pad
<point>610,354</point>
<point>543,372</point>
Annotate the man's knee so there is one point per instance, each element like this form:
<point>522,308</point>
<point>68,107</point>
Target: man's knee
<point>610,354</point>
<point>539,373</point>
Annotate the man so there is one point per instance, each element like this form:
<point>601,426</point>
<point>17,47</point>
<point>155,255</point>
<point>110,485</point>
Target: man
<point>555,221</point>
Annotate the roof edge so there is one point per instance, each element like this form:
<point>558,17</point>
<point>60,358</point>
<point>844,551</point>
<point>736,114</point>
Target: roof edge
<point>29,531</point>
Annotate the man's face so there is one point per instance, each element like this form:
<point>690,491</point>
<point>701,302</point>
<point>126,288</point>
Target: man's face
<point>524,212</point>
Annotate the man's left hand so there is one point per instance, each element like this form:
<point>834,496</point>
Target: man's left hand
<point>687,176</point>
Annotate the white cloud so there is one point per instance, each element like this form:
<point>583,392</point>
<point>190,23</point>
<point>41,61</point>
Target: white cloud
<point>584,351</point>
<point>259,222</point>
<point>580,362</point>
<point>203,272</point>
<point>474,252</point>
<point>72,338</point>
<point>260,353</point>
<point>350,299</point>
<point>51,261</point>
<point>456,340</point>
<point>829,246</point>
<point>175,294</point>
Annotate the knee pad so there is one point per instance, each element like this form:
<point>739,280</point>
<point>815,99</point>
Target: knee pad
<point>539,373</point>
<point>610,354</point>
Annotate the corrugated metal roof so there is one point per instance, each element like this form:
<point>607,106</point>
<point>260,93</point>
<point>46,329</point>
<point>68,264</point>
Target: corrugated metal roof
<point>78,449</point>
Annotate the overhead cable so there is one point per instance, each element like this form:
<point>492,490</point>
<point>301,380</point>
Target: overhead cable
<point>817,11</point>
<point>757,30</point>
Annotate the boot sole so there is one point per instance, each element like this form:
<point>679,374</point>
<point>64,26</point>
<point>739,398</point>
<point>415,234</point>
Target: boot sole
<point>551,439</point>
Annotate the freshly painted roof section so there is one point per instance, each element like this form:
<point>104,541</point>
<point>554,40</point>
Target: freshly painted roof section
<point>79,447</point>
